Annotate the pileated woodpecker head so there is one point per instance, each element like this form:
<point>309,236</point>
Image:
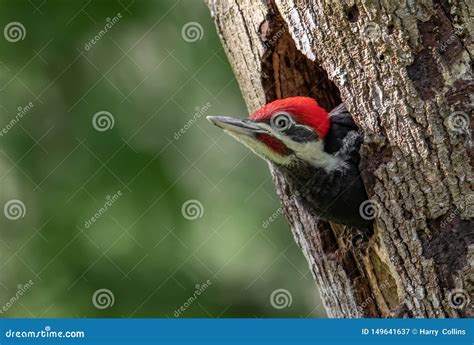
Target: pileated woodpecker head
<point>286,132</point>
<point>317,154</point>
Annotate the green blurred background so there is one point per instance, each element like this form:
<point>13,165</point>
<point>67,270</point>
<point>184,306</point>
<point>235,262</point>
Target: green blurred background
<point>146,253</point>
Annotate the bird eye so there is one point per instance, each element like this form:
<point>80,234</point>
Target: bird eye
<point>281,121</point>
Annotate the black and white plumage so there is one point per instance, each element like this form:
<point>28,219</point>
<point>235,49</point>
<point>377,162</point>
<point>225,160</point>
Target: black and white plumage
<point>317,153</point>
<point>337,194</point>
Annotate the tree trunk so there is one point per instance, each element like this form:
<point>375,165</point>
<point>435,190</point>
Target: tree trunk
<point>404,70</point>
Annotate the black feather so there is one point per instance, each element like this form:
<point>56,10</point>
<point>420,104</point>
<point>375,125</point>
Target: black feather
<point>335,195</point>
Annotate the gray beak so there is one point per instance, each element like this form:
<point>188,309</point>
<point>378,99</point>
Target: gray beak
<point>236,126</point>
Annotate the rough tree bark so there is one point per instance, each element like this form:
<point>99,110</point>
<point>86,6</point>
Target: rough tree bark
<point>404,70</point>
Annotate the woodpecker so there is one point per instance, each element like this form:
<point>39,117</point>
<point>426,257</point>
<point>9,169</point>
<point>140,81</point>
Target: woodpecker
<point>317,153</point>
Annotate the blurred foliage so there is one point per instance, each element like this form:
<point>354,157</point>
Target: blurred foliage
<point>142,249</point>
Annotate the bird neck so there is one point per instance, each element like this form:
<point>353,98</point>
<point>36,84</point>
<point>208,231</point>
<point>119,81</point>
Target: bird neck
<point>301,177</point>
<point>313,153</point>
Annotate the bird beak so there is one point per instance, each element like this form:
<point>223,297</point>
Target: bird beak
<point>235,126</point>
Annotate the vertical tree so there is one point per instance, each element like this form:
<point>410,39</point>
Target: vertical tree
<point>404,70</point>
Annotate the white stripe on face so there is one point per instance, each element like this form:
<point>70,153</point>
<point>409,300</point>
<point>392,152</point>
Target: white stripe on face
<point>310,151</point>
<point>262,150</point>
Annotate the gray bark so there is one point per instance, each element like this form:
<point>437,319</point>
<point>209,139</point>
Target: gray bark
<point>404,70</point>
